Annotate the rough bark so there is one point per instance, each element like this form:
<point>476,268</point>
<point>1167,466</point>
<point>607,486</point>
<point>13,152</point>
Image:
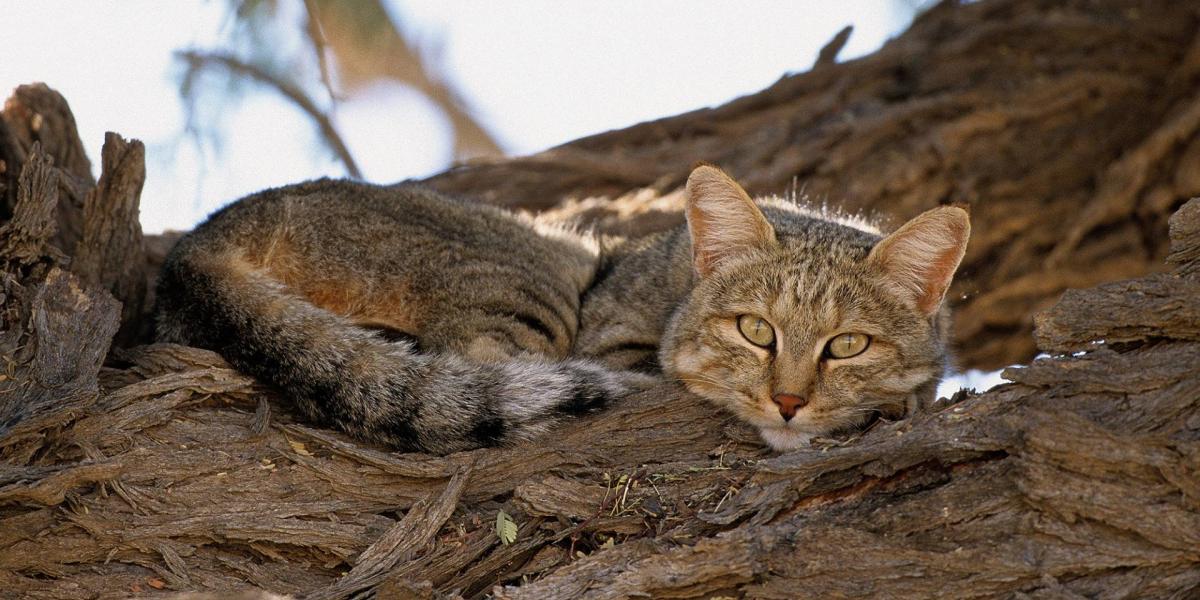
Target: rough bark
<point>166,470</point>
<point>111,254</point>
<point>37,114</point>
<point>93,226</point>
<point>1080,479</point>
<point>53,333</point>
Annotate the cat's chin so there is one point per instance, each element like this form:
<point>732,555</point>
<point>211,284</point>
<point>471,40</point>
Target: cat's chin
<point>783,438</point>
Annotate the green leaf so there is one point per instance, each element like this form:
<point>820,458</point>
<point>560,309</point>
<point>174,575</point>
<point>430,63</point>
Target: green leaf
<point>506,528</point>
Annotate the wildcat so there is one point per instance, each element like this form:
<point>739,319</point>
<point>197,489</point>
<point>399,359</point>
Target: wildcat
<point>435,324</point>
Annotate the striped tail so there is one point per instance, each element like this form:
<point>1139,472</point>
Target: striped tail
<point>340,374</point>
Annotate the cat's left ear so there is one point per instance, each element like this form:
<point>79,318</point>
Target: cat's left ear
<point>919,260</point>
<point>723,220</point>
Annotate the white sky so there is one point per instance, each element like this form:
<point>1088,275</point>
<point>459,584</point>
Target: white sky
<point>539,73</point>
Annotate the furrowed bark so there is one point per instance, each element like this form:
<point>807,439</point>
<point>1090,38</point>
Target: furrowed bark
<point>1069,130</point>
<point>111,254</point>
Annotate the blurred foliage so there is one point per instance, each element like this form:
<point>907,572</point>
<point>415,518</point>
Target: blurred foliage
<point>316,54</point>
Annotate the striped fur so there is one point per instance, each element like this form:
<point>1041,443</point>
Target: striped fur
<point>431,324</point>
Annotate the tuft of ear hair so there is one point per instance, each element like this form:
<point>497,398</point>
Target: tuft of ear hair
<point>920,258</point>
<point>722,219</point>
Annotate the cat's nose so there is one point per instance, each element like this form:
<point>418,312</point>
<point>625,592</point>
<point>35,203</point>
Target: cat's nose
<point>789,404</point>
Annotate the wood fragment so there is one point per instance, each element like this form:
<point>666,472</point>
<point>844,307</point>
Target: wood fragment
<point>24,238</point>
<point>829,52</point>
<point>1185,239</point>
<point>555,496</point>
<point>1159,306</point>
<point>35,114</point>
<point>397,545</point>
<point>110,254</point>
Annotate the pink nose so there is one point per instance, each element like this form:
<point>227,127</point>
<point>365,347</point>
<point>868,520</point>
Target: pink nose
<point>789,404</point>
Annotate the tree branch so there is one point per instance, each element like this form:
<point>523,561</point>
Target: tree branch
<point>829,52</point>
<point>200,60</point>
<point>317,37</point>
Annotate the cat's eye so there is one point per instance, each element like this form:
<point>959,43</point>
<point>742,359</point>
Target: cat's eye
<point>756,330</point>
<point>847,344</point>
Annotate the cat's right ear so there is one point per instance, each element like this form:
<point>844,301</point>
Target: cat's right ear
<point>722,219</point>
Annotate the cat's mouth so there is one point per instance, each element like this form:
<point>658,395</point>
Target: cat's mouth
<point>784,438</point>
<point>815,421</point>
<point>761,412</point>
<point>791,434</point>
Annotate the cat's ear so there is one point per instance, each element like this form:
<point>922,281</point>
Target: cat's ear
<point>919,260</point>
<point>722,219</point>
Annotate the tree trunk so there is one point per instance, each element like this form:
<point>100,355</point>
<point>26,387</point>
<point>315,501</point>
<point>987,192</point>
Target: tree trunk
<point>1068,128</point>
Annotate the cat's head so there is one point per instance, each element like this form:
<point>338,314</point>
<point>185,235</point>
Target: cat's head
<point>803,326</point>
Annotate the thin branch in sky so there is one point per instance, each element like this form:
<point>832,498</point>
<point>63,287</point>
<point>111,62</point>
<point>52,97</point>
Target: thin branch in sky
<point>316,36</point>
<point>198,61</point>
<point>369,48</point>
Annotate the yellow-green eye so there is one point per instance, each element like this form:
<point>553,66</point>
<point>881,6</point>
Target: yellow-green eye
<point>757,330</point>
<point>847,345</point>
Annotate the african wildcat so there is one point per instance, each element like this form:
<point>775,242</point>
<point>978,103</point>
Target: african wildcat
<point>503,325</point>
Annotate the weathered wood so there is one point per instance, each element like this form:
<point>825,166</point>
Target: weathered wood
<point>55,346</point>
<point>1162,306</point>
<point>36,114</point>
<point>24,238</point>
<point>422,521</point>
<point>168,470</point>
<point>1185,239</point>
<point>111,254</point>
<point>53,332</point>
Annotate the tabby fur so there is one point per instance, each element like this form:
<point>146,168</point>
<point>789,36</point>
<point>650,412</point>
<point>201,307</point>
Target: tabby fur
<point>436,324</point>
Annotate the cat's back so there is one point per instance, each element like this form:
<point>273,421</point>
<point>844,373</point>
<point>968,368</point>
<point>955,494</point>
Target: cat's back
<point>401,257</point>
<point>364,223</point>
